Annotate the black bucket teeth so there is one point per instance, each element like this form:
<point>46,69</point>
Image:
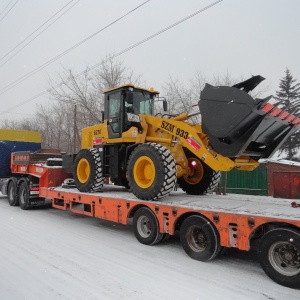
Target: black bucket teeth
<point>237,125</point>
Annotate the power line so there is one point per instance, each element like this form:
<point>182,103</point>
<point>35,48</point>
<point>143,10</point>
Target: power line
<point>39,33</point>
<point>21,79</point>
<point>8,10</point>
<point>147,39</point>
<point>6,7</point>
<point>35,32</point>
<point>156,34</point>
<point>23,114</point>
<point>118,54</point>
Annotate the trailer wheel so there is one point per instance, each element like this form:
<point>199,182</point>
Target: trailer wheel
<point>279,256</point>
<point>12,194</point>
<point>151,171</point>
<point>23,195</point>
<point>88,174</point>
<point>146,227</point>
<point>201,179</point>
<point>199,238</point>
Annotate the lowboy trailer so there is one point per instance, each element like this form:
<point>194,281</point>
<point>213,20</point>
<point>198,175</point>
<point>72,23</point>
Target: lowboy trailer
<point>206,224</point>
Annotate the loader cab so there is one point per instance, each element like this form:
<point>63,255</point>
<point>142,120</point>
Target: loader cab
<point>124,102</point>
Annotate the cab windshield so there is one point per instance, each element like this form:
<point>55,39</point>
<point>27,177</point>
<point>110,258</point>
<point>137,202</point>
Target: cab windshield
<point>142,103</point>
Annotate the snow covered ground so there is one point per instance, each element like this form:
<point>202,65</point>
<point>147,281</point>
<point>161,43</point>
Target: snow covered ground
<point>51,254</point>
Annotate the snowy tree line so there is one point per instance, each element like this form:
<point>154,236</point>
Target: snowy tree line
<point>77,102</point>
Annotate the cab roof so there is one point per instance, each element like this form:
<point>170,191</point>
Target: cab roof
<point>151,90</point>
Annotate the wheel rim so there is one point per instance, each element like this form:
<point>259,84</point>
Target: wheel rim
<point>196,171</point>
<point>83,170</point>
<point>144,172</point>
<point>144,226</point>
<point>196,238</point>
<point>285,258</point>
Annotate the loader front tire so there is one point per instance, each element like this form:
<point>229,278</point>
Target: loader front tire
<point>151,171</point>
<point>201,179</point>
<point>88,174</point>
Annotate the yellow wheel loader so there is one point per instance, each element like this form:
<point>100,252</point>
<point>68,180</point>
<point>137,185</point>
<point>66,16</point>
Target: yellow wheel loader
<point>151,153</point>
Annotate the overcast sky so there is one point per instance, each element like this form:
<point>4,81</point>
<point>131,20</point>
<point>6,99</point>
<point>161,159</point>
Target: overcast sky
<point>241,37</point>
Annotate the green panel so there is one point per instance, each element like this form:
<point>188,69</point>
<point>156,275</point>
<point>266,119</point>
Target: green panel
<point>247,182</point>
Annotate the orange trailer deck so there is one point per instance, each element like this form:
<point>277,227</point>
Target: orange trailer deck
<point>236,217</point>
<point>206,224</point>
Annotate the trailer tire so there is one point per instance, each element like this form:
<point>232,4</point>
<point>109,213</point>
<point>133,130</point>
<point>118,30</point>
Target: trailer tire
<point>146,227</point>
<point>151,171</point>
<point>12,196</point>
<point>201,179</point>
<point>23,196</point>
<point>88,175</point>
<point>199,238</point>
<point>279,256</point>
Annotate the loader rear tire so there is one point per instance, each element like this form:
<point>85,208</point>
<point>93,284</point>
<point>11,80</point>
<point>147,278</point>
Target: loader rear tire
<point>201,180</point>
<point>151,171</point>
<point>88,174</point>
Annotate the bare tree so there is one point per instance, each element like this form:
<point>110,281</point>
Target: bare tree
<point>113,73</point>
<point>75,102</point>
<point>78,100</point>
<point>197,84</point>
<point>183,97</point>
<point>23,124</point>
<point>78,90</point>
<point>179,96</point>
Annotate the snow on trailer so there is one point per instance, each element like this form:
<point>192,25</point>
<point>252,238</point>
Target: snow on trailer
<point>206,224</point>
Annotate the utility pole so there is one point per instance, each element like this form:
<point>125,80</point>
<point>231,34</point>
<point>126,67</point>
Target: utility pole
<point>75,129</point>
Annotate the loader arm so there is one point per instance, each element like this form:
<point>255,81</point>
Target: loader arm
<point>192,138</point>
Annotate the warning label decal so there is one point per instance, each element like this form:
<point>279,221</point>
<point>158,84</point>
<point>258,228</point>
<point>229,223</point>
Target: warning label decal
<point>194,143</point>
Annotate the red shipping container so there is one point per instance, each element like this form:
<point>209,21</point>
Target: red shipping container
<point>284,180</point>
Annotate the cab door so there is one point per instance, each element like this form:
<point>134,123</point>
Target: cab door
<point>114,114</point>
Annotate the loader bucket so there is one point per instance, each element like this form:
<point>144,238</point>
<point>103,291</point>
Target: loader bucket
<point>237,125</point>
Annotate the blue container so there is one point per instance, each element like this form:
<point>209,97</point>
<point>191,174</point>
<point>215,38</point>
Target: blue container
<point>7,147</point>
